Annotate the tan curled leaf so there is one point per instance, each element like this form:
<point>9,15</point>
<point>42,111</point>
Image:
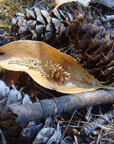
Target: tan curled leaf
<point>47,66</point>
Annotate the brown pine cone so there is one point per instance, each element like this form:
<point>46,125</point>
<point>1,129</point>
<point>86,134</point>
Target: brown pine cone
<point>94,48</point>
<point>43,25</point>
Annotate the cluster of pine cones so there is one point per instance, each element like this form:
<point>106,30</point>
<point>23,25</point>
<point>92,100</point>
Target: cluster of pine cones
<point>71,24</point>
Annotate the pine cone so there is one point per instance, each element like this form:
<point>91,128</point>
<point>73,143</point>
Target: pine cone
<point>43,25</point>
<point>94,47</point>
<point>49,26</point>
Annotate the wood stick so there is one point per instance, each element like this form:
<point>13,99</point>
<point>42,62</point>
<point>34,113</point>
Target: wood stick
<point>50,107</point>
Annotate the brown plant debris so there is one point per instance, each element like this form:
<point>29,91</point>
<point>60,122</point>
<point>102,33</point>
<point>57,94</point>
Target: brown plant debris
<point>71,23</point>
<point>22,120</point>
<point>94,47</point>
<point>48,67</point>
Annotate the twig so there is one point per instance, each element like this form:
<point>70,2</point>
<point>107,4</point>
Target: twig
<point>21,114</point>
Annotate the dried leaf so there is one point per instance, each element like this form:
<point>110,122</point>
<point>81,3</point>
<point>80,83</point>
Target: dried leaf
<point>47,66</point>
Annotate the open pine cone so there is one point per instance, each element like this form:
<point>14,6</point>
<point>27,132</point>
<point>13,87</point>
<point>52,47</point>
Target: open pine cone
<point>70,23</point>
<point>40,24</point>
<point>94,47</point>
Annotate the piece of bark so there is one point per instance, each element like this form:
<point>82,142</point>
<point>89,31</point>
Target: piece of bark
<point>88,128</point>
<point>44,108</point>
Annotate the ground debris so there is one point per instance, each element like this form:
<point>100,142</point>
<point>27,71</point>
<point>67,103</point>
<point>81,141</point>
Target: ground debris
<point>93,121</point>
<point>27,124</point>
